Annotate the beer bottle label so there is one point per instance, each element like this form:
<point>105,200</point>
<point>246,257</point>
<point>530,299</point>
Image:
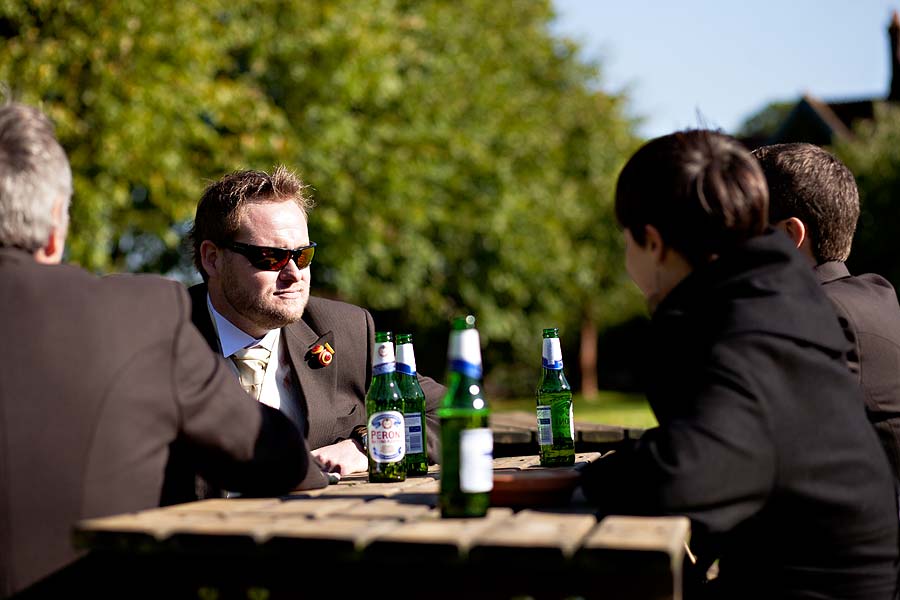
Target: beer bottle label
<point>571,421</point>
<point>551,354</point>
<point>476,460</point>
<point>413,433</point>
<point>383,361</point>
<point>387,437</point>
<point>465,353</point>
<point>406,359</point>
<point>545,426</point>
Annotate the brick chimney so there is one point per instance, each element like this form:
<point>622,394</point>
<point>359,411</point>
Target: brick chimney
<point>894,34</point>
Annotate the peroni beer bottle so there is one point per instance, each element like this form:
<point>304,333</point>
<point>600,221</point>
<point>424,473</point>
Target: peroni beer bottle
<point>384,412</point>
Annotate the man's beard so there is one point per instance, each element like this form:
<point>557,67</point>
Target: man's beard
<point>263,312</point>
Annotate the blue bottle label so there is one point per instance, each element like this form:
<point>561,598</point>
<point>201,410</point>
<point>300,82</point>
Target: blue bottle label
<point>465,353</point>
<point>413,433</point>
<point>551,355</point>
<point>383,361</point>
<point>545,426</point>
<point>406,359</point>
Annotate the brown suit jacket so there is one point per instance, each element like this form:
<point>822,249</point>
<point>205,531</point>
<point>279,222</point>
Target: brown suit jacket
<point>333,396</point>
<point>98,376</point>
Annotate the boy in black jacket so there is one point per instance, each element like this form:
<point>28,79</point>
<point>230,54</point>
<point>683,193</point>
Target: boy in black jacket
<point>762,438</point>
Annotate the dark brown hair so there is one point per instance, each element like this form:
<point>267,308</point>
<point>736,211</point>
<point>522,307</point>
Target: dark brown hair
<point>811,184</point>
<point>221,206</point>
<point>701,189</point>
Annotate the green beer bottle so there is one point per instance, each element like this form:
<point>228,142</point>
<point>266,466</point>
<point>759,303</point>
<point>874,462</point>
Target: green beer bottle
<point>556,428</point>
<point>384,411</point>
<point>467,445</point>
<point>413,407</point>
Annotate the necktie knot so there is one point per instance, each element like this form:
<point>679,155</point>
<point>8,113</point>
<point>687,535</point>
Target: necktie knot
<point>251,365</point>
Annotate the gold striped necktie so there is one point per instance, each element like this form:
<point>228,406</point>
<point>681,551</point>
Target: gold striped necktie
<point>251,365</point>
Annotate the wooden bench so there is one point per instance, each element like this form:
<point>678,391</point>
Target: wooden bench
<point>515,434</point>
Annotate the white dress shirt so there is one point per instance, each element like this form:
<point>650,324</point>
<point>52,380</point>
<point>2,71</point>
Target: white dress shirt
<point>278,389</point>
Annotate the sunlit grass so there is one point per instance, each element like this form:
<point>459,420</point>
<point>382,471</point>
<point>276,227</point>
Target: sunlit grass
<point>609,408</point>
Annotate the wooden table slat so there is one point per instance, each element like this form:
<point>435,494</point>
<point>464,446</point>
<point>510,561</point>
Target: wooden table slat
<point>255,528</point>
<point>596,433</point>
<point>532,532</point>
<point>648,534</point>
<point>644,555</point>
<point>435,538</point>
<point>353,533</point>
<point>317,507</point>
<point>387,508</point>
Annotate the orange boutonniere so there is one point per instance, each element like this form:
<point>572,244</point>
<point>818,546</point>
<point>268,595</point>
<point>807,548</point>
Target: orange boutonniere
<point>324,353</point>
<point>321,352</point>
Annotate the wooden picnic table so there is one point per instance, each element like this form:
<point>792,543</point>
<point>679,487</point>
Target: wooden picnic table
<point>357,537</point>
<point>515,434</point>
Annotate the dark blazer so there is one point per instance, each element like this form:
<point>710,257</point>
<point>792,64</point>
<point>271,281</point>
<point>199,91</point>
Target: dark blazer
<point>333,396</point>
<point>98,376</point>
<point>762,439</point>
<point>870,316</point>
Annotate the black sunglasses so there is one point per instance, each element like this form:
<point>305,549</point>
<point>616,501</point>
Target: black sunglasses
<point>274,259</point>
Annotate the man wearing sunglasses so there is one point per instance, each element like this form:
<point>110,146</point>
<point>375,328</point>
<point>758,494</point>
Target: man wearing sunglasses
<point>251,246</point>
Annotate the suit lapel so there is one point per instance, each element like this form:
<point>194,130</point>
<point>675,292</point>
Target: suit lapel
<point>315,386</point>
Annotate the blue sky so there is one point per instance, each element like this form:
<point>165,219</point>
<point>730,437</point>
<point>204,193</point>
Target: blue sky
<point>726,59</point>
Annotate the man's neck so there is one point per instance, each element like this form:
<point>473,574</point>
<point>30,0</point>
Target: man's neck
<point>224,309</point>
<point>230,336</point>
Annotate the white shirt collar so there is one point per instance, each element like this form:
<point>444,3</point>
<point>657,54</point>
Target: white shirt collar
<point>232,339</point>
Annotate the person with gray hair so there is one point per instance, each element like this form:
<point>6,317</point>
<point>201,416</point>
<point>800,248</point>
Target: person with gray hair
<point>99,376</point>
<point>813,198</point>
<point>35,184</point>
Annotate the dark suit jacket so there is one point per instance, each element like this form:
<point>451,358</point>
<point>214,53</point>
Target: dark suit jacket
<point>870,316</point>
<point>333,396</point>
<point>762,439</point>
<point>98,376</point>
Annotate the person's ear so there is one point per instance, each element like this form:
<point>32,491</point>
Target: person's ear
<point>653,242</point>
<point>210,257</point>
<point>794,228</point>
<point>52,251</point>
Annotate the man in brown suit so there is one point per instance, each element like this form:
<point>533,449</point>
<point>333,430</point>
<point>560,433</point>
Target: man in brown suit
<point>98,376</point>
<point>251,245</point>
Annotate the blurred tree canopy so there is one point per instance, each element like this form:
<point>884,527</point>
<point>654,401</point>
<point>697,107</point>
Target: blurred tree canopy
<point>462,158</point>
<point>141,103</point>
<point>873,158</point>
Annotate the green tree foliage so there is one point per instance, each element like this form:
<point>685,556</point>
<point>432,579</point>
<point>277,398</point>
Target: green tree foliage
<point>462,158</point>
<point>873,158</point>
<point>461,162</point>
<point>143,104</point>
